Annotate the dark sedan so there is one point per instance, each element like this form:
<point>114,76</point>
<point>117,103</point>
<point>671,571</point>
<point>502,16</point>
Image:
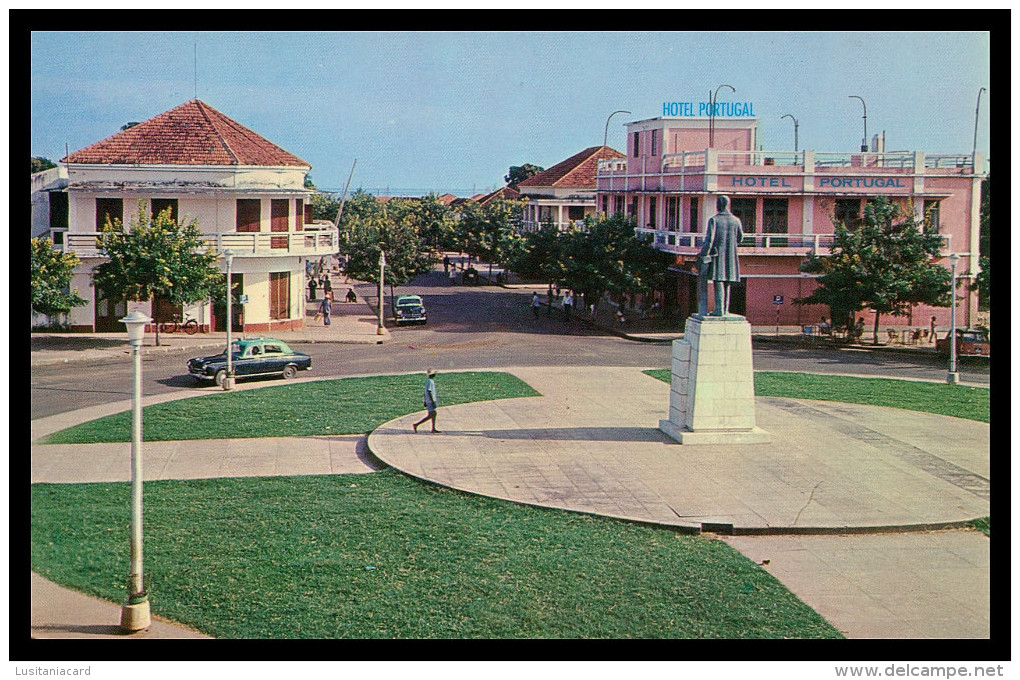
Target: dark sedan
<point>251,357</point>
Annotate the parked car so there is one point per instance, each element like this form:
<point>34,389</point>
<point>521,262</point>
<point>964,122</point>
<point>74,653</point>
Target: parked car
<point>251,357</point>
<point>409,309</point>
<point>970,342</point>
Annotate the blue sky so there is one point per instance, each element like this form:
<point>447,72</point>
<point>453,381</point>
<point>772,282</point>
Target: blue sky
<point>451,111</point>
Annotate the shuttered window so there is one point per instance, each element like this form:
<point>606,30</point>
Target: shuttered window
<point>299,214</point>
<point>279,295</point>
<point>249,214</point>
<point>279,220</point>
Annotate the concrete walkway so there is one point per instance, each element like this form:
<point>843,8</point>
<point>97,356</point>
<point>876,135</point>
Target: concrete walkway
<point>834,507</point>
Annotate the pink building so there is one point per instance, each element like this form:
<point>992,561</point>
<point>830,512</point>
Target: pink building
<point>787,202</point>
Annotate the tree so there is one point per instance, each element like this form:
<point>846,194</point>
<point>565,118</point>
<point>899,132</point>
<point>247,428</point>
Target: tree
<point>536,254</point>
<point>365,236</point>
<point>158,258</point>
<point>885,264</point>
<point>983,280</point>
<point>519,173</point>
<point>433,220</point>
<point>40,163</point>
<point>488,231</point>
<point>52,294</point>
<point>607,256</point>
<point>325,206</point>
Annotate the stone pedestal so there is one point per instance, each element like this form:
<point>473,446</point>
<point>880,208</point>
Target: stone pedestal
<point>711,397</point>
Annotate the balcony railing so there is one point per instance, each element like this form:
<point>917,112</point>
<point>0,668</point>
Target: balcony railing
<point>779,244</point>
<point>262,244</point>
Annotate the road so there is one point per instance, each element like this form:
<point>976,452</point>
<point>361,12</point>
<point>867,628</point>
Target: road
<point>482,327</point>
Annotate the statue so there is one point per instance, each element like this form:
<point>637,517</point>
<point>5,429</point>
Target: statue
<point>717,259</point>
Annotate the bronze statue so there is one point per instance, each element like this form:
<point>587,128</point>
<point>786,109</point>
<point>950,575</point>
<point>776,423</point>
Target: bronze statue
<point>717,259</point>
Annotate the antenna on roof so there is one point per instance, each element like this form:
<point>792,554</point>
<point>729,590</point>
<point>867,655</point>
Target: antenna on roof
<point>196,70</point>
<point>343,199</point>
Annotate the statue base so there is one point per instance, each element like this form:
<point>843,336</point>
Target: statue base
<point>711,398</point>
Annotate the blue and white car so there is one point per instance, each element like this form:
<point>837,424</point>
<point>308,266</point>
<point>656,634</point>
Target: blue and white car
<point>409,309</point>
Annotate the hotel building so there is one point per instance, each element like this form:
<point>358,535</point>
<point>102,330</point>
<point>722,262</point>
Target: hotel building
<point>787,201</point>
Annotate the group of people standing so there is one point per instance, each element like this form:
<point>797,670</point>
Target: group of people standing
<point>568,303</point>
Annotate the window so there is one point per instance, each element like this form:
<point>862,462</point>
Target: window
<point>108,208</point>
<point>637,146</point>
<point>279,220</point>
<point>158,205</point>
<point>775,216</point>
<point>605,205</point>
<point>633,212</point>
<point>931,216</point>
<point>673,213</point>
<point>744,209</point>
<point>694,215</point>
<point>847,212</point>
<point>618,208</point>
<point>279,295</point>
<point>575,212</point>
<point>299,214</point>
<point>58,210</point>
<point>655,142</point>
<point>273,349</point>
<point>651,212</point>
<point>249,214</point>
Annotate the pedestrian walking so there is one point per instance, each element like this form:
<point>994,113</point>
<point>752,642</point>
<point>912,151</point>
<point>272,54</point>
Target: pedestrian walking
<point>453,276</point>
<point>535,303</point>
<point>933,330</point>
<point>568,304</point>
<point>312,285</point>
<point>327,308</point>
<point>327,285</point>
<point>431,402</point>
<point>446,263</point>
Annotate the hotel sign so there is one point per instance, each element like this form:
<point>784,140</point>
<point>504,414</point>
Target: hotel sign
<point>836,183</point>
<point>722,109</point>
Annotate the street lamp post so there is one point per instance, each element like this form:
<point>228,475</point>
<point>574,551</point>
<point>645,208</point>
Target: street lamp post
<point>795,126</point>
<point>977,108</point>
<point>134,614</point>
<point>605,137</point>
<point>711,113</point>
<point>228,382</point>
<point>864,142</point>
<point>382,274</point>
<point>953,377</point>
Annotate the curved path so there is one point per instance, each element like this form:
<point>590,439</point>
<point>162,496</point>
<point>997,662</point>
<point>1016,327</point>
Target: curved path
<point>591,444</point>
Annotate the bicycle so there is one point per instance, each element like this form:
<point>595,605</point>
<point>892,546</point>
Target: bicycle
<point>189,325</point>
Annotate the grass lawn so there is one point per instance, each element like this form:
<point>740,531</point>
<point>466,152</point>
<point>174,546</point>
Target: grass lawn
<point>321,407</point>
<point>383,555</point>
<point>943,399</point>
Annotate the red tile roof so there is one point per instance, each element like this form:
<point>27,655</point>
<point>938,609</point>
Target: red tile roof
<point>193,133</point>
<point>576,171</point>
<point>506,193</point>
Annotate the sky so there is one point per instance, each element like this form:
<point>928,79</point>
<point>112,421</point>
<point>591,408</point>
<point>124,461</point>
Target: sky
<point>452,111</point>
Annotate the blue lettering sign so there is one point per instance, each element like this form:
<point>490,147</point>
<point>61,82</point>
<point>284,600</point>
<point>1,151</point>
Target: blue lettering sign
<point>860,182</point>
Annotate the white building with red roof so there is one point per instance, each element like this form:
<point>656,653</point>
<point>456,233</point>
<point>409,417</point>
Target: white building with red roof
<point>247,194</point>
<point>565,193</point>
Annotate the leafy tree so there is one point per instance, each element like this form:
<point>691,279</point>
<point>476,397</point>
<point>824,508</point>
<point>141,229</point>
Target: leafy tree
<point>434,220</point>
<point>157,258</point>
<point>983,280</point>
<point>488,232</point>
<point>885,264</point>
<point>519,173</point>
<point>360,204</point>
<point>325,206</point>
<point>40,163</point>
<point>51,279</point>
<point>607,256</point>
<point>365,236</point>
<point>536,254</point>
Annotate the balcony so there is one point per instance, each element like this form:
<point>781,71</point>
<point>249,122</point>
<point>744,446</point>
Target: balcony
<point>316,242</point>
<point>754,244</point>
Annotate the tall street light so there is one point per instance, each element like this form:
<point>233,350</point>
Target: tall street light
<point>605,137</point>
<point>228,382</point>
<point>864,142</point>
<point>795,126</point>
<point>953,377</point>
<point>382,274</point>
<point>134,614</point>
<point>977,108</point>
<point>711,113</point>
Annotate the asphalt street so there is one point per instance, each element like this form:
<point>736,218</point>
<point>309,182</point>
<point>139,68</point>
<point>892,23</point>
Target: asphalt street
<point>470,327</point>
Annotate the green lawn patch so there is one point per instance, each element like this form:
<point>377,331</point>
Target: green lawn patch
<point>940,398</point>
<point>322,407</point>
<point>984,525</point>
<point>385,556</point>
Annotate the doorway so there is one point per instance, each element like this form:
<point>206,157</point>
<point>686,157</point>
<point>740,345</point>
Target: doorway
<point>237,310</point>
